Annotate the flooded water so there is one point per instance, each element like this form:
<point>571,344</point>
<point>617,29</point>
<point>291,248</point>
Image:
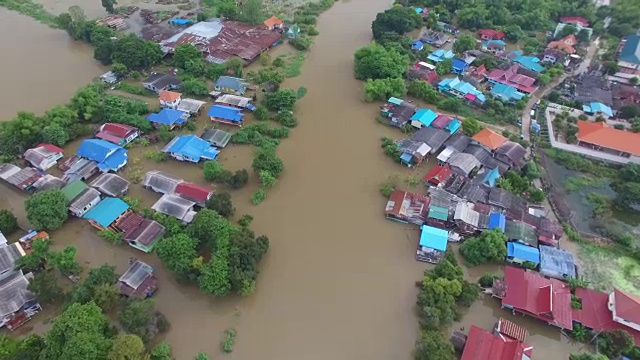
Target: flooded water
<point>41,66</point>
<point>338,281</point>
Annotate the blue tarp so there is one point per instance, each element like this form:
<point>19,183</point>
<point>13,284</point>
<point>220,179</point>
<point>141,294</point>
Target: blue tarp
<point>178,21</point>
<point>395,101</point>
<point>192,147</point>
<point>226,113</point>
<point>458,66</point>
<point>597,107</point>
<point>115,161</point>
<point>497,221</point>
<point>523,252</point>
<point>406,158</point>
<point>106,211</point>
<point>491,177</point>
<point>417,45</point>
<point>425,116</point>
<point>167,117</point>
<point>434,238</point>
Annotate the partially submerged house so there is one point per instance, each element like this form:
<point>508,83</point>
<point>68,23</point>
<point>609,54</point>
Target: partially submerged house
<point>494,46</point>
<point>118,134</point>
<point>236,101</point>
<point>435,38</point>
<point>138,281</point>
<point>511,153</point>
<point>629,56</point>
<point>226,115</point>
<point>176,206</point>
<point>521,232</point>
<point>433,137</point>
<point>458,66</point>
<point>417,45</point>
<point>18,304</point>
<point>111,185</point>
<point>160,182</point>
<point>413,153</point>
<point>439,174</point>
<point>454,145</point>
<point>190,148</point>
<point>466,218</point>
<point>489,139</point>
<point>422,118</point>
<point>482,344</point>
<point>84,202</point>
<point>157,82</point>
<point>531,294</point>
<point>463,164</point>
<point>78,168</point>
<point>169,99</point>
<point>231,85</point>
<point>398,111</point>
<point>105,214</point>
<point>523,255</point>
<point>490,34</point>
<point>462,90</point>
<point>565,44</point>
<point>108,156</point>
<point>73,189</point>
<point>23,179</point>
<point>497,221</point>
<point>557,263</point>
<point>194,192</point>
<point>407,207</point>
<point>190,106</point>
<point>168,117</point>
<point>432,244</point>
<point>274,23</point>
<point>216,137</point>
<point>438,216</point>
<point>43,156</point>
<point>9,254</point>
<point>138,232</point>
<point>48,182</point>
<point>440,55</point>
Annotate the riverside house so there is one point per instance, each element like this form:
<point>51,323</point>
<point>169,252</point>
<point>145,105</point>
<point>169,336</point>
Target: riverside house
<point>118,134</point>
<point>43,156</point>
<point>105,214</point>
<point>190,148</point>
<point>138,281</point>
<point>138,232</point>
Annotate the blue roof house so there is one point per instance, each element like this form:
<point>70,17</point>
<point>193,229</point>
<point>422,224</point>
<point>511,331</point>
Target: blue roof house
<point>440,55</point>
<point>597,109</point>
<point>506,93</point>
<point>491,177</point>
<point>169,117</point>
<point>231,85</point>
<point>226,115</point>
<point>494,46</point>
<point>417,45</point>
<point>106,212</point>
<point>519,253</point>
<point>432,245</point>
<point>529,63</point>
<point>630,52</point>
<point>458,66</point>
<point>423,117</point>
<point>453,126</point>
<point>190,148</point>
<point>395,101</point>
<point>109,156</point>
<point>497,221</point>
<point>461,89</point>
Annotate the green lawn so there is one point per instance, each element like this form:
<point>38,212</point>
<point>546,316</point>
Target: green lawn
<point>607,267</point>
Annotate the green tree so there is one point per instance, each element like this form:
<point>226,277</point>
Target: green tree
<point>87,102</point>
<point>265,158</point>
<point>139,317</point>
<point>471,126</point>
<point>634,80</point>
<point>583,36</point>
<point>432,345</point>
<point>239,179</point>
<point>531,45</point>
<point>161,351</point>
<point>8,222</point>
<point>202,356</point>
<point>204,226</point>
<point>588,356</point>
<point>214,278</point>
<point>195,87</point>
<point>185,53</point>
<point>382,89</point>
<point>34,260</point>
<point>513,33</point>
<point>444,67</point>
<point>610,67</point>
<point>267,179</point>
<point>45,286</point>
<point>119,69</point>
<point>629,111</point>
<point>423,91</point>
<point>221,203</point>
<point>27,349</point>
<point>376,62</point>
<point>463,43</point>
<point>490,246</point>
<point>214,171</point>
<point>136,53</point>
<point>177,253</point>
<point>108,5</point>
<point>65,260</point>
<point>55,134</point>
<point>93,287</point>
<point>78,333</point>
<point>281,100</point>
<point>47,210</point>
<point>253,12</point>
<point>261,113</point>
<point>19,134</point>
<point>615,343</point>
<point>127,347</point>
<point>544,79</point>
<point>399,20</point>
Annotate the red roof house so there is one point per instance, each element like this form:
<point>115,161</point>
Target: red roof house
<point>530,293</point>
<point>490,34</point>
<point>511,77</point>
<point>565,44</point>
<point>575,20</point>
<point>483,345</point>
<point>118,134</point>
<point>439,174</point>
<point>194,192</point>
<point>273,23</point>
<point>43,156</point>
<point>441,121</point>
<point>599,136</point>
<point>407,207</point>
<point>597,314</point>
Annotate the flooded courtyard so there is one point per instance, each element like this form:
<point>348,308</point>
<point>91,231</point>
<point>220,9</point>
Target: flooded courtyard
<point>338,281</point>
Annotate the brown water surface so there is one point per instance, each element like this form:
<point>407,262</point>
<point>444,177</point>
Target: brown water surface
<point>40,67</point>
<point>338,281</point>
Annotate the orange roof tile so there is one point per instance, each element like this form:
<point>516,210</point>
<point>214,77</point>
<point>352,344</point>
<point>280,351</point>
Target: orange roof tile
<point>169,96</point>
<point>273,21</point>
<point>489,138</point>
<point>565,44</point>
<point>600,134</point>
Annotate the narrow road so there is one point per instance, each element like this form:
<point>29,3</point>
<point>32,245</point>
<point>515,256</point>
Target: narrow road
<point>542,92</point>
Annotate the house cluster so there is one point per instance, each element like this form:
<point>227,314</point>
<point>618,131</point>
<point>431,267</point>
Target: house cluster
<point>220,40</point>
<point>180,198</point>
<point>506,341</point>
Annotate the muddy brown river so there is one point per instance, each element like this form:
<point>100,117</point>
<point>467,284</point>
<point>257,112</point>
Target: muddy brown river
<point>338,281</point>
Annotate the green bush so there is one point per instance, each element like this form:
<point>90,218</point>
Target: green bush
<point>229,339</point>
<point>301,43</point>
<point>258,196</point>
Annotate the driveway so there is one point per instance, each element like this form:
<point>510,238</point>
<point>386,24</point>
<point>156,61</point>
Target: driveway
<point>542,92</point>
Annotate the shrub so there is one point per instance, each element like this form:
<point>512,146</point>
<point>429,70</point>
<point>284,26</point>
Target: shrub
<point>278,62</point>
<point>486,280</point>
<point>111,236</point>
<point>287,119</point>
<point>157,156</point>
<point>261,113</point>
<point>312,31</point>
<point>301,43</point>
<point>229,339</point>
<point>258,196</point>
<point>8,222</point>
<point>238,179</point>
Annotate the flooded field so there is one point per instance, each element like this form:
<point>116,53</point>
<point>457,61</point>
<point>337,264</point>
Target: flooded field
<point>42,65</point>
<point>338,281</point>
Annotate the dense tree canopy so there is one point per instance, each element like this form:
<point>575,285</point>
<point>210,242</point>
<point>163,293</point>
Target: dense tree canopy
<point>266,159</point>
<point>127,347</point>
<point>185,53</point>
<point>136,53</point>
<point>382,89</point>
<point>221,203</point>
<point>47,210</point>
<point>376,62</point>
<point>8,222</point>
<point>253,12</point>
<point>463,43</point>
<point>398,19</point>
<point>281,100</point>
<point>471,126</point>
<point>490,246</point>
<point>177,253</point>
